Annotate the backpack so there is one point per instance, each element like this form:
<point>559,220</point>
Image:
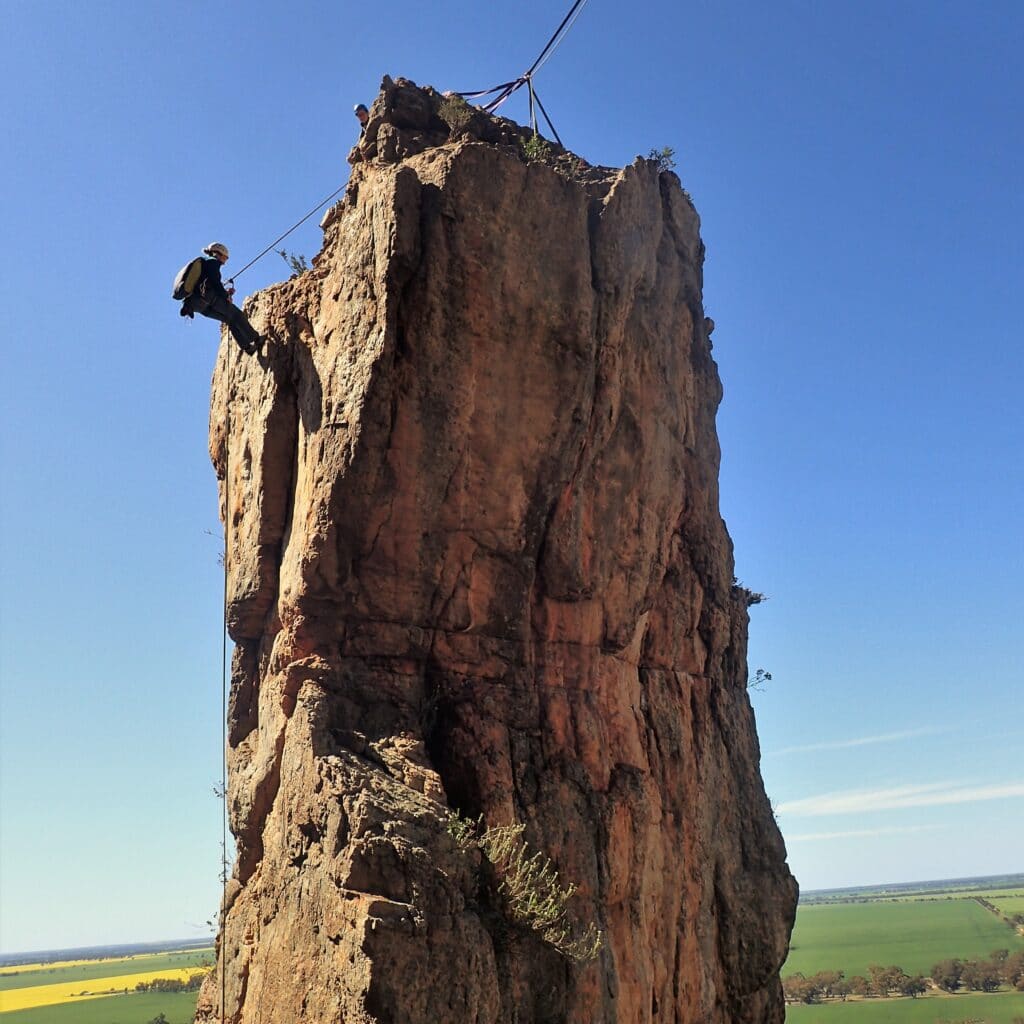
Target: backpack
<point>187,279</point>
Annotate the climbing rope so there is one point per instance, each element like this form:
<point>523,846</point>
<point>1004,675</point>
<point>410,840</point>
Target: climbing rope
<point>281,238</point>
<point>560,33</point>
<point>224,700</point>
<point>225,678</point>
<point>502,92</point>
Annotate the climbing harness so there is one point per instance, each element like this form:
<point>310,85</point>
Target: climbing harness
<point>502,92</point>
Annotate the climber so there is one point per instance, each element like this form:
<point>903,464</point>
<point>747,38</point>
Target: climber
<point>363,115</point>
<point>212,299</point>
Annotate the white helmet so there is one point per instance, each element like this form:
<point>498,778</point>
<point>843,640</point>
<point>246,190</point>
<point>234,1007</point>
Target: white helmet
<point>216,249</point>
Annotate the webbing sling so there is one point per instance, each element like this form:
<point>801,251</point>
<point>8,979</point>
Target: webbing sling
<point>506,89</point>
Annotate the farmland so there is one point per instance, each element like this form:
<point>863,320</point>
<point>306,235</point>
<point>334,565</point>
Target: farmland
<point>912,927</point>
<point>178,1007</point>
<point>46,965</point>
<point>913,934</point>
<point>985,894</point>
<point>998,1008</point>
<point>955,888</point>
<point>1009,905</point>
<point>103,990</point>
<point>91,970</point>
<point>77,991</point>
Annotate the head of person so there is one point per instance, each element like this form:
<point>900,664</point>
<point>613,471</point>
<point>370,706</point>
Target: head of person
<point>362,113</point>
<point>219,250</point>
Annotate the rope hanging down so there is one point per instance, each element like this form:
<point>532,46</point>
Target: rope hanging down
<point>225,676</point>
<point>224,683</point>
<point>502,92</point>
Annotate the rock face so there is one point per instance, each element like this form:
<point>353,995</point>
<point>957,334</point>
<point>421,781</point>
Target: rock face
<point>476,562</point>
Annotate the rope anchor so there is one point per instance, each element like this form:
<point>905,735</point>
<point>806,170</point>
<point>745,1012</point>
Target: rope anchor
<point>506,89</point>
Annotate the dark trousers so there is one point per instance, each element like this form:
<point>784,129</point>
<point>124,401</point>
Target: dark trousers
<point>228,313</point>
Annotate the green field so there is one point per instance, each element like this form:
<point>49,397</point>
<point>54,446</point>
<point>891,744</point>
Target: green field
<point>197,958</point>
<point>179,1008</point>
<point>992,895</point>
<point>1001,1008</point>
<point>1008,904</point>
<point>912,935</point>
<point>950,888</point>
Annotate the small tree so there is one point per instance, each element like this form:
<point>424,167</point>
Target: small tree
<point>799,989</point>
<point>879,979</point>
<point>947,973</point>
<point>841,989</point>
<point>296,262</point>
<point>536,149</point>
<point>827,981</point>
<point>981,975</point>
<point>896,978</point>
<point>913,987</point>
<point>455,112</point>
<point>858,985</point>
<point>749,597</point>
<point>664,158</point>
<point>1012,970</point>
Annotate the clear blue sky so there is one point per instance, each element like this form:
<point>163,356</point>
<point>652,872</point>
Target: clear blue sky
<point>858,169</point>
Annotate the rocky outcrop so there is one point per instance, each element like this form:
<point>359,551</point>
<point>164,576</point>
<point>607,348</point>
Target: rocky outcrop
<point>476,562</point>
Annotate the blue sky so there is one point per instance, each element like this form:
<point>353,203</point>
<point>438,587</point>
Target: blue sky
<point>857,168</point>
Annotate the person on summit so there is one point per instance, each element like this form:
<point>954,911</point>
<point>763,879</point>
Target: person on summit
<point>210,298</point>
<point>362,115</point>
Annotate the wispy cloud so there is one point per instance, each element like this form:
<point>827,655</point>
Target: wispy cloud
<point>862,833</point>
<point>860,741</point>
<point>863,801</point>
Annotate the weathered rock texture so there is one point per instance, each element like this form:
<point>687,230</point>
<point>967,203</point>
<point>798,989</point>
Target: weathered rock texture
<point>476,562</point>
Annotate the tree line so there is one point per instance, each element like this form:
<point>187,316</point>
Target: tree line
<point>1001,967</point>
<point>191,984</point>
<point>1015,921</point>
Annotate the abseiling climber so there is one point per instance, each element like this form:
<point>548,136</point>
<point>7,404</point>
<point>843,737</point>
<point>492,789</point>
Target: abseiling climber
<point>199,285</point>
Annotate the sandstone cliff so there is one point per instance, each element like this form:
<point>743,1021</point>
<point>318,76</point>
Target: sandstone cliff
<point>476,562</point>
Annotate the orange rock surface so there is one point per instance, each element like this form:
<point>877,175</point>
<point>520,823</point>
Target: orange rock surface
<point>476,562</point>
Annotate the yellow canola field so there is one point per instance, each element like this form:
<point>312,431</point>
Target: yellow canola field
<point>18,968</point>
<point>71,991</point>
